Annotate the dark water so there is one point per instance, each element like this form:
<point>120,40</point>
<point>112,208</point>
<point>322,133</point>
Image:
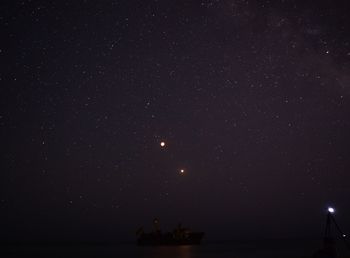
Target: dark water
<point>272,249</point>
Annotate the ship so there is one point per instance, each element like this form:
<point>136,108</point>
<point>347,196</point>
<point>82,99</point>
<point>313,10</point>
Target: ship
<point>179,236</point>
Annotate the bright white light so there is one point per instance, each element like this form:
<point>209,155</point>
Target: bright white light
<point>331,210</point>
<point>182,171</point>
<point>162,144</point>
<point>344,235</point>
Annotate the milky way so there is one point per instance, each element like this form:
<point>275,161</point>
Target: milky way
<point>250,98</point>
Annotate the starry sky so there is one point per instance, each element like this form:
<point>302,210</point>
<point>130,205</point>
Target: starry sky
<point>251,98</point>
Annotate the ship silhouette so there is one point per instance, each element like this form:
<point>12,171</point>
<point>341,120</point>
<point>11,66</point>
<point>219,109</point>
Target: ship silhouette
<point>179,236</point>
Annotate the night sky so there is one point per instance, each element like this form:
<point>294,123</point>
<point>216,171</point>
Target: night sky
<point>251,98</point>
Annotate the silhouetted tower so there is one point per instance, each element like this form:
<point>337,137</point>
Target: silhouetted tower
<point>328,250</point>
<point>328,240</point>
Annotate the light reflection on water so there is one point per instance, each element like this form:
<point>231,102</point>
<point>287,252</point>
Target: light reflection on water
<point>223,250</point>
<point>219,251</point>
<point>184,251</point>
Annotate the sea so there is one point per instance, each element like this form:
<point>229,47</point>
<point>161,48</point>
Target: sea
<point>229,249</point>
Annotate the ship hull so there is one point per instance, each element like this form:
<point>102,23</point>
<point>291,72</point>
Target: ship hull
<point>194,238</point>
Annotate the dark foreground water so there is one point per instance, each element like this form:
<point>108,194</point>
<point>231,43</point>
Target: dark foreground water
<point>248,249</point>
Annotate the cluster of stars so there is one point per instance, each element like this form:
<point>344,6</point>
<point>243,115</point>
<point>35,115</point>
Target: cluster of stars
<point>115,100</point>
